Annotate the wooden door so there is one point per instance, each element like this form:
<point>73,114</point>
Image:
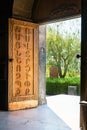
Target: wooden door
<point>22,65</point>
<point>83,108</point>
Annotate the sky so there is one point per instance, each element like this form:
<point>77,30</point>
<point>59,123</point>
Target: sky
<point>69,26</point>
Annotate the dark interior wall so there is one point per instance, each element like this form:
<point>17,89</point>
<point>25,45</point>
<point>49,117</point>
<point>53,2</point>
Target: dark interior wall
<point>5,13</point>
<point>22,9</point>
<point>40,11</point>
<point>51,10</point>
<point>3,69</point>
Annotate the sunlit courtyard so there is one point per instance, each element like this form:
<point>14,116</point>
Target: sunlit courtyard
<point>63,70</point>
<point>67,107</point>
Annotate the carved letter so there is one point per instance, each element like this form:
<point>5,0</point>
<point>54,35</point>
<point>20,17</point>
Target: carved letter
<point>18,83</point>
<point>18,68</point>
<point>27,83</point>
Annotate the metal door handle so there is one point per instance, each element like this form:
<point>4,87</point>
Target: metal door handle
<point>10,60</point>
<point>78,56</point>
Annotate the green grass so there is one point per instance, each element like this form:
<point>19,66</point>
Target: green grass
<point>60,85</point>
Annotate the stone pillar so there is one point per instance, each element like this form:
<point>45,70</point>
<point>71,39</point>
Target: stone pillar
<point>42,64</point>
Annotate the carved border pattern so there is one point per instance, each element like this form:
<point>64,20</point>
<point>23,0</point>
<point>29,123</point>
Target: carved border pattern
<point>24,23</point>
<point>10,64</point>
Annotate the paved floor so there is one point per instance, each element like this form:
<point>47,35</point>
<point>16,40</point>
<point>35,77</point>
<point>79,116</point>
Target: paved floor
<point>40,118</point>
<point>67,108</point>
<point>60,113</point>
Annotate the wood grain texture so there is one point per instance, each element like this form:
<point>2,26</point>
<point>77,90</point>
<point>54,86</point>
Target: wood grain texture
<point>22,61</point>
<point>22,105</point>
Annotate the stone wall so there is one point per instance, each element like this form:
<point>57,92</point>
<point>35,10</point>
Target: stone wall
<point>42,64</point>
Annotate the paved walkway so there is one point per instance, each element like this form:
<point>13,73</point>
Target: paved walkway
<point>40,118</point>
<point>60,113</point>
<point>67,108</point>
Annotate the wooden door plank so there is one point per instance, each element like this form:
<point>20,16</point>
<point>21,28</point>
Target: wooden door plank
<point>22,64</point>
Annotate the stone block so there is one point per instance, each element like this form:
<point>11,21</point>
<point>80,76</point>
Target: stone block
<point>72,90</point>
<point>54,72</point>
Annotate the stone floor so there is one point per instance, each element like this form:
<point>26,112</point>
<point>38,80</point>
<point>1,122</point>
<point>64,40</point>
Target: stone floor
<point>40,118</point>
<point>66,107</point>
<point>61,113</point>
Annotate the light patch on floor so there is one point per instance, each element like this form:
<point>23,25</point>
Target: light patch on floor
<point>67,107</point>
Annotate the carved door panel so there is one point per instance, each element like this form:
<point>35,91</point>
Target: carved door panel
<point>22,65</point>
<point>83,110</point>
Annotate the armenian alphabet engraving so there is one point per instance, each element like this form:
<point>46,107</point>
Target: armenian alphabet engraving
<point>23,61</point>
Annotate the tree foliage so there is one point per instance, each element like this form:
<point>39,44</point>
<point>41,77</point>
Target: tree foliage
<point>62,51</point>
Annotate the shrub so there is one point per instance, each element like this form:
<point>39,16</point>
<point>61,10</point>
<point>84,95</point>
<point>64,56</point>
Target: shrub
<point>60,85</point>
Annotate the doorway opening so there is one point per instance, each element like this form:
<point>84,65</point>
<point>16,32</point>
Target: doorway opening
<point>63,50</point>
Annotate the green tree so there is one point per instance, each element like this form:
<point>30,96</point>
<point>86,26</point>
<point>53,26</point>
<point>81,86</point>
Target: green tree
<point>62,50</point>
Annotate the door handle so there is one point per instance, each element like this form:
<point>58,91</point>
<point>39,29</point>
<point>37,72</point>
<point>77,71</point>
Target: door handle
<point>78,56</point>
<point>10,60</point>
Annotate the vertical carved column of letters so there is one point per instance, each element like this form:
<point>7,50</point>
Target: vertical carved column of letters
<point>17,61</point>
<point>23,61</point>
<point>29,61</point>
